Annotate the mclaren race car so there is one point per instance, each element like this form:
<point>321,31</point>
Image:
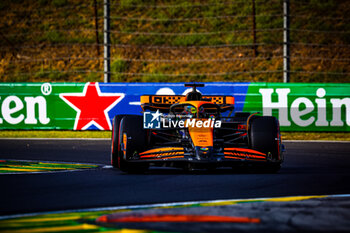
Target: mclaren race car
<point>194,131</point>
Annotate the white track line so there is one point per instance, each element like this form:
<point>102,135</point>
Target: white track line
<point>148,206</point>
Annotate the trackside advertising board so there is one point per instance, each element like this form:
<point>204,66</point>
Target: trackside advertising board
<point>92,106</point>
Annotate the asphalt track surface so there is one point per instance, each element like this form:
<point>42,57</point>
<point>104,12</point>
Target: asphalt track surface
<point>310,168</point>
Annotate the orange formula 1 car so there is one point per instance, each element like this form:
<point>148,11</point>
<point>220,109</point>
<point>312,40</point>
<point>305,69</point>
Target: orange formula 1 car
<point>194,131</point>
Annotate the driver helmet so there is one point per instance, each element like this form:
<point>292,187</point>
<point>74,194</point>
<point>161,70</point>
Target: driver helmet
<point>190,110</point>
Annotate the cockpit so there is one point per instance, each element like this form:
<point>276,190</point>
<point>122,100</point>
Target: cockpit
<point>202,110</point>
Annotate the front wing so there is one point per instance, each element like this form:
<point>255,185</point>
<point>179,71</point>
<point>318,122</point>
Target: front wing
<point>174,154</point>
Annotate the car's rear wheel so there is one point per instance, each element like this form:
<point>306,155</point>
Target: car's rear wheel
<point>132,140</point>
<point>264,136</point>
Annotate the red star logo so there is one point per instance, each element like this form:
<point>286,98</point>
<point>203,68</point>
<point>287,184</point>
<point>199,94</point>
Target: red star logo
<point>92,106</point>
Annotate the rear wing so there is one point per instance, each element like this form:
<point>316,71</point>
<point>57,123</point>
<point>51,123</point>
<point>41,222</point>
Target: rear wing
<point>163,102</point>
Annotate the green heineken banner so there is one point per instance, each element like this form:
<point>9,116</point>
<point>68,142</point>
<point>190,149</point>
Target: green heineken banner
<point>301,106</point>
<point>92,106</point>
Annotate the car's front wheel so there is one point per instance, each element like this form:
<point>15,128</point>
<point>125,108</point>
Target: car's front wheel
<point>115,140</point>
<point>131,141</point>
<point>264,136</point>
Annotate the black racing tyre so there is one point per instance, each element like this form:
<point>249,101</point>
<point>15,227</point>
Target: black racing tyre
<point>132,140</point>
<point>264,135</point>
<point>115,139</point>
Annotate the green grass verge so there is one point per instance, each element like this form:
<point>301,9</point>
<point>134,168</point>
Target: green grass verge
<point>316,136</point>
<point>107,134</point>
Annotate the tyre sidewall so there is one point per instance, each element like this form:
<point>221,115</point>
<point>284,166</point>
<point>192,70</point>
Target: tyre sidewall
<point>264,135</point>
<point>132,127</point>
<point>115,157</point>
